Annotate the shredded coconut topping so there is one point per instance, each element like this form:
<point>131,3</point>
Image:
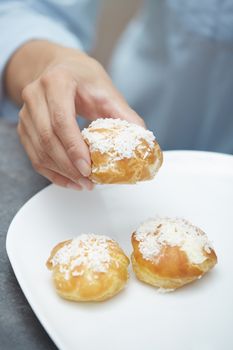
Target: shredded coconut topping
<point>116,136</point>
<point>88,251</point>
<point>153,234</point>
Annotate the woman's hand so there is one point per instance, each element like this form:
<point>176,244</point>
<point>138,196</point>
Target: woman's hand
<point>70,83</point>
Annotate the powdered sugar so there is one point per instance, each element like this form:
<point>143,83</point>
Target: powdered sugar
<point>153,234</point>
<point>116,136</point>
<point>88,251</point>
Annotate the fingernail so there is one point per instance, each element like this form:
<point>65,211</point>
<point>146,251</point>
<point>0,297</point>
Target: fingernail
<point>74,186</point>
<point>86,183</point>
<point>83,167</point>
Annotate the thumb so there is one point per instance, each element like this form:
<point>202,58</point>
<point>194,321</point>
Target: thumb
<point>121,110</point>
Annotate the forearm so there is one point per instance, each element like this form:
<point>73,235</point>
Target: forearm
<point>28,62</point>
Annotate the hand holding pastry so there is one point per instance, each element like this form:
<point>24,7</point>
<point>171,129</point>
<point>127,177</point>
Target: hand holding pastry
<point>55,86</point>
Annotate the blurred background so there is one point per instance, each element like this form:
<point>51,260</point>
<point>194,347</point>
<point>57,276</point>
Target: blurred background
<point>113,18</point>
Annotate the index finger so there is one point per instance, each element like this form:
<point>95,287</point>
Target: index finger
<point>61,103</point>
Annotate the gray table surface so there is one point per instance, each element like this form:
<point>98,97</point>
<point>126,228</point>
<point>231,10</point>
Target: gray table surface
<point>19,327</point>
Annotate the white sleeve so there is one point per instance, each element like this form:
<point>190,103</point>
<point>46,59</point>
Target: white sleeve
<point>21,22</point>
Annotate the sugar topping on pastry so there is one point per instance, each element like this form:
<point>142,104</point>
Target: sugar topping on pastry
<point>153,234</point>
<point>87,250</point>
<point>121,152</point>
<point>88,268</point>
<point>116,136</point>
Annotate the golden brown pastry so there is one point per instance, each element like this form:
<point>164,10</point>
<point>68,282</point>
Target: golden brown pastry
<point>88,268</point>
<point>121,152</point>
<point>169,253</point>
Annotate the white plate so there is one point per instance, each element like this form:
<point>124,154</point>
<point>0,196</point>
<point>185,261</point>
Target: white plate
<point>195,185</point>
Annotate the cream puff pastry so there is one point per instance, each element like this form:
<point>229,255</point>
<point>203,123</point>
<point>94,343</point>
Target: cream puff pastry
<point>169,253</point>
<point>88,268</point>
<point>121,152</point>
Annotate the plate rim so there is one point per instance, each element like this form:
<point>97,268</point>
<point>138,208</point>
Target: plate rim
<point>18,275</point>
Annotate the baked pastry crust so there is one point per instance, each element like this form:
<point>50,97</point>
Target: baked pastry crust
<point>121,153</point>
<point>168,265</point>
<point>88,268</point>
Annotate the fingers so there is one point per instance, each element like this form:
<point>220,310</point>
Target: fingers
<point>113,104</point>
<point>48,142</point>
<point>27,131</point>
<point>50,152</point>
<point>118,108</point>
<point>126,113</point>
<point>51,175</point>
<point>104,101</point>
<point>60,96</point>
<point>49,117</point>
